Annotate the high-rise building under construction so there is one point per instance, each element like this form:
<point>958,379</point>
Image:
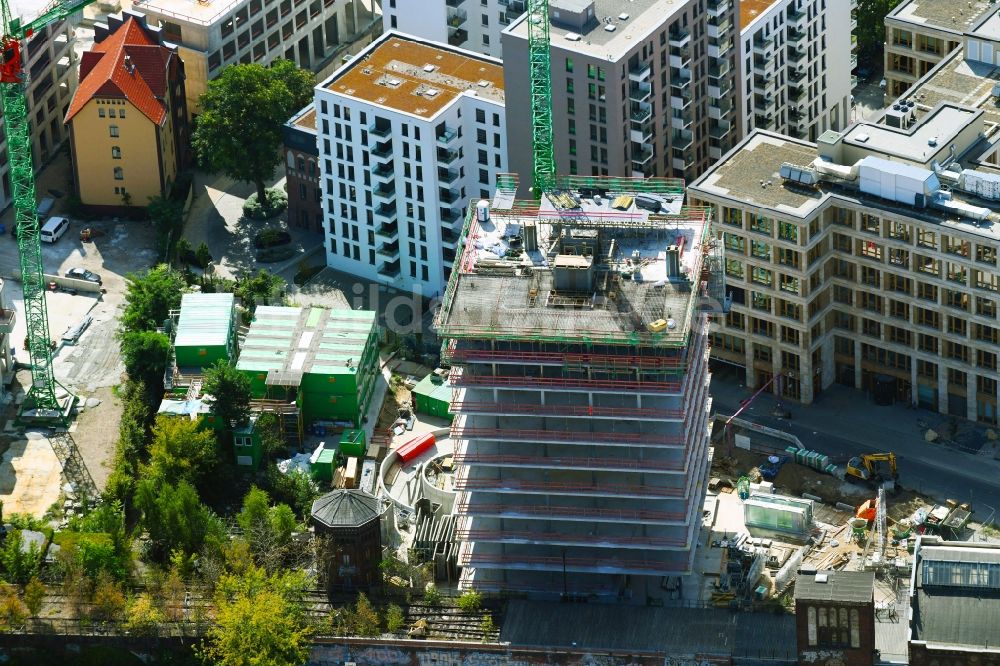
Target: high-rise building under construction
<point>576,331</point>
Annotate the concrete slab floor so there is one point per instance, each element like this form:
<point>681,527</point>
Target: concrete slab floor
<point>30,476</point>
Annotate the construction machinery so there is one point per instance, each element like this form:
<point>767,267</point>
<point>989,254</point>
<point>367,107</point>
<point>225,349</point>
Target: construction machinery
<point>876,469</point>
<point>41,402</point>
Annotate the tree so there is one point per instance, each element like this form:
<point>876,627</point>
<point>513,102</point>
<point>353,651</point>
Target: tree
<point>19,564</point>
<point>296,489</point>
<point>268,529</point>
<point>181,450</point>
<point>133,433</point>
<point>145,355</point>
<point>109,599</point>
<point>259,620</point>
<point>243,111</point>
<point>230,393</point>
<point>394,618</point>
<point>143,617</point>
<point>271,441</point>
<point>149,298</point>
<point>300,82</point>
<point>34,596</point>
<point>173,595</point>
<point>871,26</point>
<point>12,611</point>
<point>167,216</point>
<point>263,286</point>
<point>366,619</point>
<point>175,518</point>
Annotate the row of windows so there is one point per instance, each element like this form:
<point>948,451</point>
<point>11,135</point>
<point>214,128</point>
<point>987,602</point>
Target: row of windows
<point>111,112</point>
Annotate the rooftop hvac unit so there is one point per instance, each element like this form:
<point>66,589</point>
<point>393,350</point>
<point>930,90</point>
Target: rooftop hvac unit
<point>897,182</point>
<point>980,183</point>
<point>798,174</point>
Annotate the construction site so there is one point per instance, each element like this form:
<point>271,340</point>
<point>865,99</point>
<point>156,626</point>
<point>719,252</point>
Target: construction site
<point>580,318</point>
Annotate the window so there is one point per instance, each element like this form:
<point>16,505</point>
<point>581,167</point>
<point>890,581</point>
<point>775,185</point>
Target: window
<point>116,152</point>
<point>113,130</point>
<point>760,224</point>
<point>788,232</point>
<point>119,173</point>
<point>111,113</point>
<point>869,224</point>
<point>100,112</point>
<point>569,64</point>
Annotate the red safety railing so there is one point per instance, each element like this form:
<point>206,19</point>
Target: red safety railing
<point>508,536</point>
<point>461,483</point>
<point>467,509</point>
<point>510,434</point>
<point>453,355</point>
<point>469,407</point>
<point>572,462</point>
<point>466,558</point>
<point>461,379</point>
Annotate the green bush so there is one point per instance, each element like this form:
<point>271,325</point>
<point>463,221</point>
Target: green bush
<point>202,256</point>
<point>273,254</point>
<point>394,618</point>
<point>432,596</point>
<point>276,203</point>
<point>470,601</point>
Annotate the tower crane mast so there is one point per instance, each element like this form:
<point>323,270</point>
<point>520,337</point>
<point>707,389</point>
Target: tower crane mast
<point>540,74</point>
<point>41,397</point>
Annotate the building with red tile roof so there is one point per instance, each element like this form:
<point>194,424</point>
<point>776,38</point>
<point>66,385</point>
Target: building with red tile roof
<point>128,114</point>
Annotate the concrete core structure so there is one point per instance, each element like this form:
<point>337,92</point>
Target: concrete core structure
<point>577,345</point>
<point>466,24</point>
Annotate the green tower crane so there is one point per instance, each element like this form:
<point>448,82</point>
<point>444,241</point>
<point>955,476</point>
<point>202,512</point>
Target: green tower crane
<point>540,74</point>
<point>41,398</point>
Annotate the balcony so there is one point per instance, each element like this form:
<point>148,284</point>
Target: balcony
<point>386,211</point>
<point>389,269</point>
<point>763,66</point>
<point>680,58</point>
<point>450,215</point>
<point>680,39</point>
<point>641,158</point>
<point>380,130</point>
<point>447,136</point>
<point>382,150</point>
<point>385,190</point>
<point>640,92</point>
<point>641,133</point>
<point>456,37</point>
<point>8,317</point>
<point>453,3</point>
<point>388,249</point>
<point>717,8</point>
<point>640,73</point>
<point>446,176</point>
<point>448,196</point>
<point>764,46</point>
<point>681,121</point>
<point>718,70</point>
<point>719,49</point>
<point>641,112</point>
<point>717,29</point>
<point>798,20</point>
<point>682,139</point>
<point>512,9</point>
<point>446,156</point>
<point>384,170</point>
<point>795,36</point>
<point>456,17</point>
<point>720,130</point>
<point>389,231</point>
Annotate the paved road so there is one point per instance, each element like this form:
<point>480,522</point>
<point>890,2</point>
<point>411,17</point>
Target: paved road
<point>843,422</point>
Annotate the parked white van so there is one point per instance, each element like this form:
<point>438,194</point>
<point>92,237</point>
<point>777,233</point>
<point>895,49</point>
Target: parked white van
<point>54,228</point>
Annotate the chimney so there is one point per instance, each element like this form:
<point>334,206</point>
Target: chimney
<point>673,262</point>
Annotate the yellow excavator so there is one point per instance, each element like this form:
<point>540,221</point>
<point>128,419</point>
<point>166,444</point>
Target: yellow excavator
<point>875,469</point>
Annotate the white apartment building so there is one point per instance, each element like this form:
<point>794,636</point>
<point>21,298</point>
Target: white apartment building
<point>792,67</point>
<point>409,133</point>
<point>212,34</point>
<point>469,24</point>
<point>50,63</point>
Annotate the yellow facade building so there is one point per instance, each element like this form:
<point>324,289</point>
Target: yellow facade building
<point>128,119</point>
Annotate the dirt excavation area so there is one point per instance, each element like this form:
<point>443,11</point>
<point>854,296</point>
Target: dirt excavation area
<point>95,432</point>
<point>30,475</point>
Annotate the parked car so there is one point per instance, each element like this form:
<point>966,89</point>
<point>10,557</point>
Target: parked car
<point>83,274</point>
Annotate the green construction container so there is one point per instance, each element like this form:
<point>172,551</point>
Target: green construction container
<point>352,444</point>
<point>322,469</point>
<point>326,360</point>
<point>247,446</point>
<point>206,330</point>
<point>432,396</point>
